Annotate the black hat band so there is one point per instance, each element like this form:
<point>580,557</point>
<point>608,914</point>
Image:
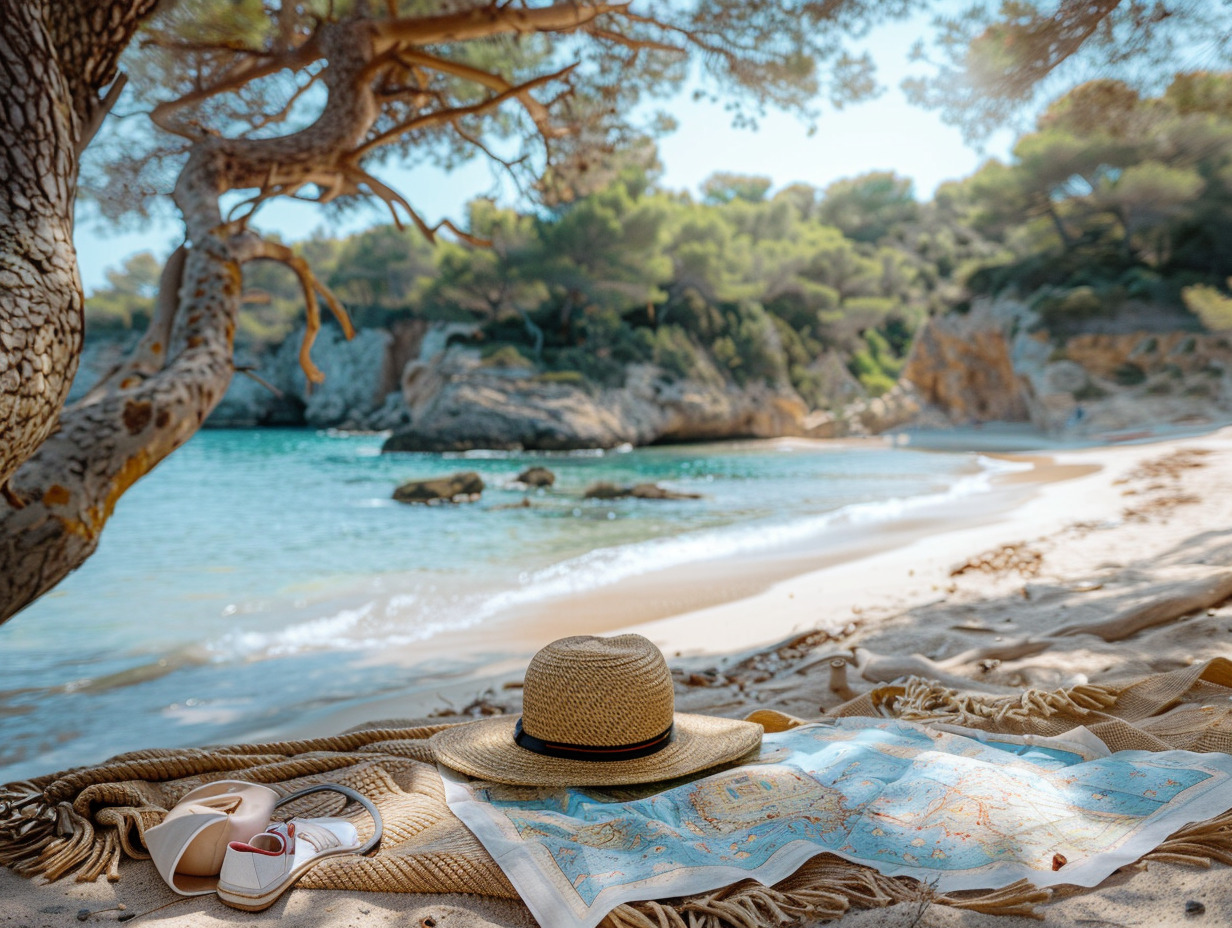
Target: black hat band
<point>591,752</point>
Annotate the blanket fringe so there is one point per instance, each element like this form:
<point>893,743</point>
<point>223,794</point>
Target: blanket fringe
<point>823,889</point>
<point>1198,845</point>
<point>928,700</point>
<point>1019,898</point>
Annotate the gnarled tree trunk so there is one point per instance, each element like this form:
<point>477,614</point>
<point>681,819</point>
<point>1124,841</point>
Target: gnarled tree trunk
<point>56,56</point>
<point>158,398</point>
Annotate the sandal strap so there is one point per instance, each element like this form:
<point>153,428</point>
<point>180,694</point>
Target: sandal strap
<point>321,838</point>
<point>377,832</point>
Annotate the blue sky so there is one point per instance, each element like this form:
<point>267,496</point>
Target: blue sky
<point>883,134</point>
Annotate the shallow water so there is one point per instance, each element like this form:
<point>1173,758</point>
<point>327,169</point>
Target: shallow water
<point>258,574</point>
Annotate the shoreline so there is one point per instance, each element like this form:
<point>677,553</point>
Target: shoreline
<point>738,608</point>
<point>679,607</point>
<point>1079,551</point>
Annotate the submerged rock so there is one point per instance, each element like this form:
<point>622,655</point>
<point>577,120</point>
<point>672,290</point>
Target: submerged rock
<point>605,490</point>
<point>536,477</point>
<point>462,487</point>
<point>524,504</point>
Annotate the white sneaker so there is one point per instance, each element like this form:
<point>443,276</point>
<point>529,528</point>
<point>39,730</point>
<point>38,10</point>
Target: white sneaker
<point>255,873</point>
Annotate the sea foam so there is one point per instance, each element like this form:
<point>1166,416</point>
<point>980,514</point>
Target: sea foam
<point>404,618</point>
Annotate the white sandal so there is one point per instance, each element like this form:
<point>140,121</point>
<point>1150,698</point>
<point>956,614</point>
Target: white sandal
<point>256,872</point>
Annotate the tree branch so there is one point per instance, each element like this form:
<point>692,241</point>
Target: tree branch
<point>242,72</point>
<point>630,42</point>
<point>440,117</point>
<point>488,21</point>
<point>274,251</point>
<point>280,116</point>
<point>150,353</point>
<point>90,129</point>
<point>536,110</point>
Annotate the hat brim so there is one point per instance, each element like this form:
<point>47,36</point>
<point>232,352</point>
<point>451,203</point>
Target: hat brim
<point>485,749</point>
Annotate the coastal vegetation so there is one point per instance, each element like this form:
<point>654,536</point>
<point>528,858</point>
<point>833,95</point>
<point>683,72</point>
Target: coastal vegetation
<point>738,284</point>
<point>1113,202</point>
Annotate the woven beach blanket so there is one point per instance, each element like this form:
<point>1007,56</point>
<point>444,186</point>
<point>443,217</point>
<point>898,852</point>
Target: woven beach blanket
<point>955,809</point>
<point>82,823</point>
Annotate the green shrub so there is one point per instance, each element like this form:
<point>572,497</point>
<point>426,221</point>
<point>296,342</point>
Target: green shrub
<point>675,352</point>
<point>1069,306</point>
<point>504,356</point>
<point>866,369</point>
<point>567,377</point>
<point>591,366</point>
<point>754,351</point>
<point>1090,391</point>
<point>1129,374</point>
<point>725,353</point>
<point>1210,306</point>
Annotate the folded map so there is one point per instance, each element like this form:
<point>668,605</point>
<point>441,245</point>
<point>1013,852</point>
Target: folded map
<point>956,809</point>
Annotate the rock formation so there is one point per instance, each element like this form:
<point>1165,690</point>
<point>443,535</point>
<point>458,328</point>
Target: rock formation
<point>354,395</point>
<point>462,487</point>
<point>996,364</point>
<point>457,403</point>
<point>536,477</point>
<point>606,490</point>
<point>962,364</point>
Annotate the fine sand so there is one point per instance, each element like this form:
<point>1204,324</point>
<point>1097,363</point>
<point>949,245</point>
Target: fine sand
<point>1037,584</point>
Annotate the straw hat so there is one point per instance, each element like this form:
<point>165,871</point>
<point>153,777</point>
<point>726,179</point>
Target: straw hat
<point>595,712</point>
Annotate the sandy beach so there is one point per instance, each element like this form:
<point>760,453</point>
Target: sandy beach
<point>1018,594</point>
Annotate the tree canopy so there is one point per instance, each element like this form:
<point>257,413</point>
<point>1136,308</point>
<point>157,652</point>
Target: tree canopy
<point>1114,198</point>
<point>994,63</point>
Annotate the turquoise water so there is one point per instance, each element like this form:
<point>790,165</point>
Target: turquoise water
<point>229,581</point>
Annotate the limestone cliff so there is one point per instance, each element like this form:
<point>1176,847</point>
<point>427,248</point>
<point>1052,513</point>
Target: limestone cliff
<point>963,365</point>
<point>437,395</point>
<point>996,364</point>
<point>353,395</point>
<point>457,403</point>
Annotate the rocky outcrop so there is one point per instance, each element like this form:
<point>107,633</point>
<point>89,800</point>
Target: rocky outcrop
<point>362,389</point>
<point>963,364</point>
<point>901,406</point>
<point>457,403</point>
<point>420,381</point>
<point>462,487</point>
<point>831,383</point>
<point>354,394</point>
<point>1107,383</point>
<point>996,364</point>
<point>536,477</point>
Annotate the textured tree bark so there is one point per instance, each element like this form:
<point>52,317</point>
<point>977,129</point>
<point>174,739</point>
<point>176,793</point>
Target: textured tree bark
<point>56,57</point>
<point>159,397</point>
<point>40,292</point>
